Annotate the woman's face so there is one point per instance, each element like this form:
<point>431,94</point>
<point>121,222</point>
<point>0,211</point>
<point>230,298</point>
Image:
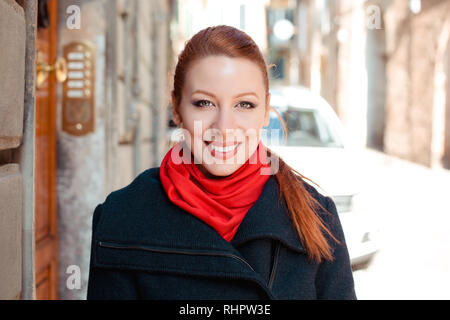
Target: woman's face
<point>223,107</point>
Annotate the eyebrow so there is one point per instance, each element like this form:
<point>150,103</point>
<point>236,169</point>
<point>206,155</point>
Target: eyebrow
<point>236,96</point>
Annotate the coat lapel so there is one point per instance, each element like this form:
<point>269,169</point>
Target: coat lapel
<point>268,218</point>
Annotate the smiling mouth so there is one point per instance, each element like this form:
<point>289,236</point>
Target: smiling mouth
<point>222,150</point>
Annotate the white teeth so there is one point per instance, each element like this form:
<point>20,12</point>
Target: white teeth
<point>223,149</point>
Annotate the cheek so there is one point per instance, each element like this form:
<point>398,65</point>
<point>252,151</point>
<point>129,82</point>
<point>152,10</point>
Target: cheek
<point>252,122</point>
<point>195,122</point>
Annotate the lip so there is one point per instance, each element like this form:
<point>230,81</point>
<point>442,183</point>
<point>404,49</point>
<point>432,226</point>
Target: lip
<point>222,155</point>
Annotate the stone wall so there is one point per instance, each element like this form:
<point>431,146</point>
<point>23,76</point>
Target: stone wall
<point>412,41</point>
<point>131,100</point>
<point>12,70</point>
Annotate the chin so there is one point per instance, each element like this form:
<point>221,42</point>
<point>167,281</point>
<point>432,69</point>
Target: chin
<point>221,170</point>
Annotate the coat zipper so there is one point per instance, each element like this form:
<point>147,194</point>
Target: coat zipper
<point>230,255</point>
<point>274,267</point>
<point>102,244</point>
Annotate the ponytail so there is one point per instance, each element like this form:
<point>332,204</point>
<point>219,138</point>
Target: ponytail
<point>303,207</point>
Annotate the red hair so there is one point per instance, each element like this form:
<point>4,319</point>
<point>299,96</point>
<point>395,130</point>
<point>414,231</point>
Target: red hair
<point>234,43</point>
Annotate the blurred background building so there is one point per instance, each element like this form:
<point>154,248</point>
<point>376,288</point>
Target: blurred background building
<point>86,107</point>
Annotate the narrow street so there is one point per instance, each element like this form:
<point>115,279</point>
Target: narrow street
<point>412,202</point>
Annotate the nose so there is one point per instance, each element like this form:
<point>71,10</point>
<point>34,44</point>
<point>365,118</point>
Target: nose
<point>225,120</point>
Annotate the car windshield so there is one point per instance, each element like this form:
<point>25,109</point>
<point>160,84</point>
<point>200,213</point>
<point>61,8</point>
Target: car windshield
<point>305,128</point>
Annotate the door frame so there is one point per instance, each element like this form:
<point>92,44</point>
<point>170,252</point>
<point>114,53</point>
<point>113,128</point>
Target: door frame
<point>46,251</point>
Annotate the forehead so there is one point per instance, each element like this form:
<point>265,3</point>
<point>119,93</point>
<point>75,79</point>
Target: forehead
<point>224,74</point>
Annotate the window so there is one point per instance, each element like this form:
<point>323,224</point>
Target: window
<point>305,127</point>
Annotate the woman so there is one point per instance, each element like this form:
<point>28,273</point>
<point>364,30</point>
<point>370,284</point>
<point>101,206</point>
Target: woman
<point>222,217</point>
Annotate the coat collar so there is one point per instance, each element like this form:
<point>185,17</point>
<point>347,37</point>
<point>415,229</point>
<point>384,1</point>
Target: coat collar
<point>141,213</point>
<point>267,218</point>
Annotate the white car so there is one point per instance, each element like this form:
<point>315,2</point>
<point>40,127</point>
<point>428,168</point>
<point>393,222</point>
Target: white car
<point>316,147</point>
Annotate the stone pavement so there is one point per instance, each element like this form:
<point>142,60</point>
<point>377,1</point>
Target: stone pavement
<point>412,203</point>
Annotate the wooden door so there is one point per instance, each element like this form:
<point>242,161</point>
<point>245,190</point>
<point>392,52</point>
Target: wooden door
<point>46,216</point>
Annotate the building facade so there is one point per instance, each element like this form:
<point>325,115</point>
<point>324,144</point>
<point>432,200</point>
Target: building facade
<point>83,113</point>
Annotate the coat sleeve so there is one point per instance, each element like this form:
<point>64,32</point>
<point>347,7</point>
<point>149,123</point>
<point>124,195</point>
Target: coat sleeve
<point>335,278</point>
<point>108,284</point>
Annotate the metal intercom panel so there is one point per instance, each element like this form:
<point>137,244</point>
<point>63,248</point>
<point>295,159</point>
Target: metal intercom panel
<point>78,99</point>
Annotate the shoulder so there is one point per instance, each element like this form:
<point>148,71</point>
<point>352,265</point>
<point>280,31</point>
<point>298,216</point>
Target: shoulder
<point>320,200</point>
<point>144,187</point>
<point>323,199</point>
<point>131,205</point>
<point>327,210</point>
<point>147,180</point>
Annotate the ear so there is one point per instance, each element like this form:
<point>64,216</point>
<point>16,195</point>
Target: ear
<point>267,115</point>
<point>175,113</point>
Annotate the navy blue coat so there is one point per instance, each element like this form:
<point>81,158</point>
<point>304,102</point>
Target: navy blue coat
<point>145,247</point>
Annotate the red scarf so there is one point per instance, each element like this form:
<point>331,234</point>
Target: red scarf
<point>221,203</point>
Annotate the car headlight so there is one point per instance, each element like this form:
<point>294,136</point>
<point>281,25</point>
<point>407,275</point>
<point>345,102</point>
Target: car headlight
<point>348,203</point>
<point>343,203</point>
